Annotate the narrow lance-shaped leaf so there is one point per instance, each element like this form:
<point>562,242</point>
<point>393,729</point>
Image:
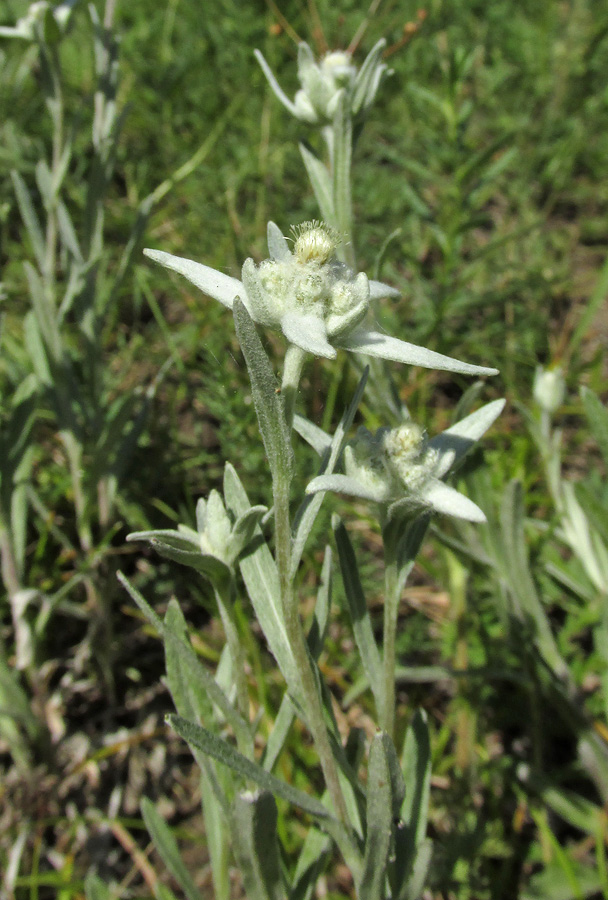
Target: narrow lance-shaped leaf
<point>516,571</point>
<point>321,185</point>
<point>414,885</point>
<point>30,218</point>
<point>455,442</point>
<point>215,815</point>
<point>225,753</point>
<point>222,751</point>
<point>196,670</point>
<point>318,629</point>
<point>262,582</point>
<point>367,77</point>
<point>379,821</point>
<point>278,247</point>
<point>268,403</point>
<point>416,764</point>
<point>310,865</point>
<point>256,845</point>
<point>310,506</point>
<point>316,639</point>
<point>416,767</point>
<point>358,611</point>
<point>278,735</point>
<point>215,284</point>
<point>190,701</point>
<point>312,434</point>
<point>167,847</point>
<point>341,166</point>
<point>372,343</point>
<point>274,84</point>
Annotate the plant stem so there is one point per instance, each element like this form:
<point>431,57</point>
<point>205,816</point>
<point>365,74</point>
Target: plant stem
<point>10,569</point>
<point>295,634</point>
<point>339,141</point>
<point>391,614</point>
<point>292,369</point>
<point>55,105</point>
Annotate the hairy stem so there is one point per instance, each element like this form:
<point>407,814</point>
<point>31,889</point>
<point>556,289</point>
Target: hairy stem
<point>292,369</point>
<point>391,614</point>
<point>295,634</point>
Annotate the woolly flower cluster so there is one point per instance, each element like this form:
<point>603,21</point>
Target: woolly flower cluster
<point>321,83</point>
<point>213,547</point>
<point>391,460</point>
<point>549,388</point>
<point>404,473</point>
<point>311,282</point>
<point>326,81</point>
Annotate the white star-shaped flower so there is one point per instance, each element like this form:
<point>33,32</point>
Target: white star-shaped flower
<point>318,303</point>
<point>403,472</point>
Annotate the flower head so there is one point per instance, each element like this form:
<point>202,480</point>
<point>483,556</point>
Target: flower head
<point>549,388</point>
<point>215,545</point>
<point>318,302</point>
<point>402,471</point>
<point>323,82</point>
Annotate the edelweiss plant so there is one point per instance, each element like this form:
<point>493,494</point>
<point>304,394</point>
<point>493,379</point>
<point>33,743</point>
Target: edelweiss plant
<point>373,814</point>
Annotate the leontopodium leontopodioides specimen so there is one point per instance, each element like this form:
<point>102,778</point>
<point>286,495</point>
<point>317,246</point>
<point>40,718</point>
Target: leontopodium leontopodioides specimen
<point>318,302</point>
<point>403,471</point>
<point>323,82</point>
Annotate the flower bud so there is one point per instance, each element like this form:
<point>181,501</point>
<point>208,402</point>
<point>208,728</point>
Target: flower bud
<point>549,388</point>
<point>214,526</point>
<point>315,242</point>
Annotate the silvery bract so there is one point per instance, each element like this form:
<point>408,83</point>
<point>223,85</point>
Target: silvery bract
<point>40,15</point>
<point>402,471</point>
<point>322,83</point>
<point>318,303</point>
<point>215,545</point>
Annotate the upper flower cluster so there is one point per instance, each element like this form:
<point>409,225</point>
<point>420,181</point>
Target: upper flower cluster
<point>307,290</point>
<point>319,303</point>
<point>323,82</point>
